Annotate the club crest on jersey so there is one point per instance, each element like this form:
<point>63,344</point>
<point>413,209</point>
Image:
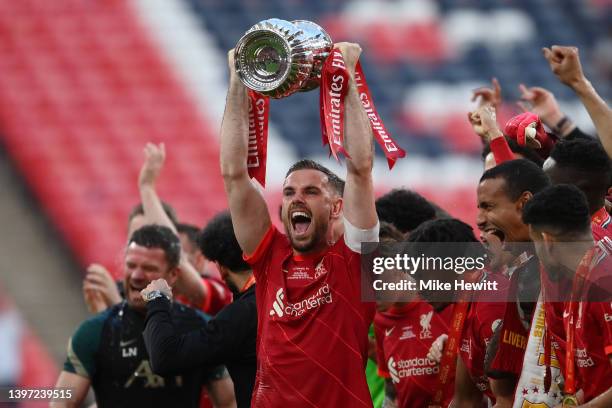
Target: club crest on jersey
<point>426,325</point>
<point>320,270</point>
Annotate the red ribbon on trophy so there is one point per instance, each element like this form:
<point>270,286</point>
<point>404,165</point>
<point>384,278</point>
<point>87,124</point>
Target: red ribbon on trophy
<point>259,110</point>
<point>334,88</point>
<point>390,148</point>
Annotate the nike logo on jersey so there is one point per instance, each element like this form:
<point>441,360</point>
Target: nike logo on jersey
<point>127,342</point>
<point>388,331</point>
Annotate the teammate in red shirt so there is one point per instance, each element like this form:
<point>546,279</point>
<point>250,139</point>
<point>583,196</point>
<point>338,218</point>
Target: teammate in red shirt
<point>404,334</point>
<point>483,318</point>
<point>312,337</point>
<point>557,216</point>
<point>406,330</point>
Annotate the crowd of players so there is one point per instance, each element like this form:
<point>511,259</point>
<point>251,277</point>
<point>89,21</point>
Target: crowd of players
<point>297,333</point>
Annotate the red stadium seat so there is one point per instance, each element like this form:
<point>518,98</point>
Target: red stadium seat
<point>83,90</point>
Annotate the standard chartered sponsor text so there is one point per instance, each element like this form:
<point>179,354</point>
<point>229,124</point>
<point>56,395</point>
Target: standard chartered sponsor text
<point>320,297</point>
<point>416,367</point>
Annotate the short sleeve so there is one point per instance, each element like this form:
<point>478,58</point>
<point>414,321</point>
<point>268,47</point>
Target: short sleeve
<point>83,346</point>
<point>218,296</point>
<point>262,247</point>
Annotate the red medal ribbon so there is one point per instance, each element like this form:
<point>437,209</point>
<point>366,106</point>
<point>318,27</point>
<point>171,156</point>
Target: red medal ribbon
<point>569,310</point>
<point>259,110</point>
<point>449,356</point>
<point>250,282</point>
<point>448,362</point>
<point>385,141</point>
<point>547,339</point>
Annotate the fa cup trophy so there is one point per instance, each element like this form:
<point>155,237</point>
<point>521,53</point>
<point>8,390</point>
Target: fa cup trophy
<point>277,58</point>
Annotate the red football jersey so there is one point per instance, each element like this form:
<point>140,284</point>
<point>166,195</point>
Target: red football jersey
<point>593,334</point>
<point>558,292</point>
<point>403,338</point>
<point>602,219</point>
<point>600,232</point>
<point>312,334</point>
<point>481,321</point>
<point>510,351</point>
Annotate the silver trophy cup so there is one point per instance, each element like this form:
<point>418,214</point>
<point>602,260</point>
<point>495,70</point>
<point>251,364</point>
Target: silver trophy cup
<point>277,57</point>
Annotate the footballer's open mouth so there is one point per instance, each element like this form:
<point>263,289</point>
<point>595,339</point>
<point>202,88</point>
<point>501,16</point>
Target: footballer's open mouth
<point>300,222</point>
<point>492,234</point>
<point>136,287</point>
<point>498,233</point>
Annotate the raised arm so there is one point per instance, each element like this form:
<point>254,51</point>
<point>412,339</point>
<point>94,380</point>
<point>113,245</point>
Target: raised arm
<point>189,282</point>
<point>543,103</point>
<point>565,64</point>
<point>359,208</point>
<point>484,96</point>
<point>485,118</point>
<point>249,212</point>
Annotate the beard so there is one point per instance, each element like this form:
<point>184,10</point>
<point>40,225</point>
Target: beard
<point>316,238</point>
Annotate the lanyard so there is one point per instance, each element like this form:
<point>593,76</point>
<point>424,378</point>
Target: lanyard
<point>569,310</point>
<point>250,282</point>
<point>449,356</point>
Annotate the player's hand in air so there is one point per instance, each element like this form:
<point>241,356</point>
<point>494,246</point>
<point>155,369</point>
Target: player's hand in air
<point>155,155</point>
<point>565,64</point>
<point>98,282</point>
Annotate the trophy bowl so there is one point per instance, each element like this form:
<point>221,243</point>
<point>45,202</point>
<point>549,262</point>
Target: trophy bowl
<point>277,57</point>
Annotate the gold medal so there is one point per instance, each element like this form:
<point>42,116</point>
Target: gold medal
<point>569,401</point>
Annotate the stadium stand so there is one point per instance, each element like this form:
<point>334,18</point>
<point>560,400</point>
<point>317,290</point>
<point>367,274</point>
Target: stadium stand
<point>83,91</point>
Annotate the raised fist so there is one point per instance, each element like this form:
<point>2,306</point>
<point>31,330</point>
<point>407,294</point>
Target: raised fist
<point>350,53</point>
<point>565,64</point>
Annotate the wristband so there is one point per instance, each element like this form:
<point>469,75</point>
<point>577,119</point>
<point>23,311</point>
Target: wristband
<point>154,295</point>
<point>559,126</point>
